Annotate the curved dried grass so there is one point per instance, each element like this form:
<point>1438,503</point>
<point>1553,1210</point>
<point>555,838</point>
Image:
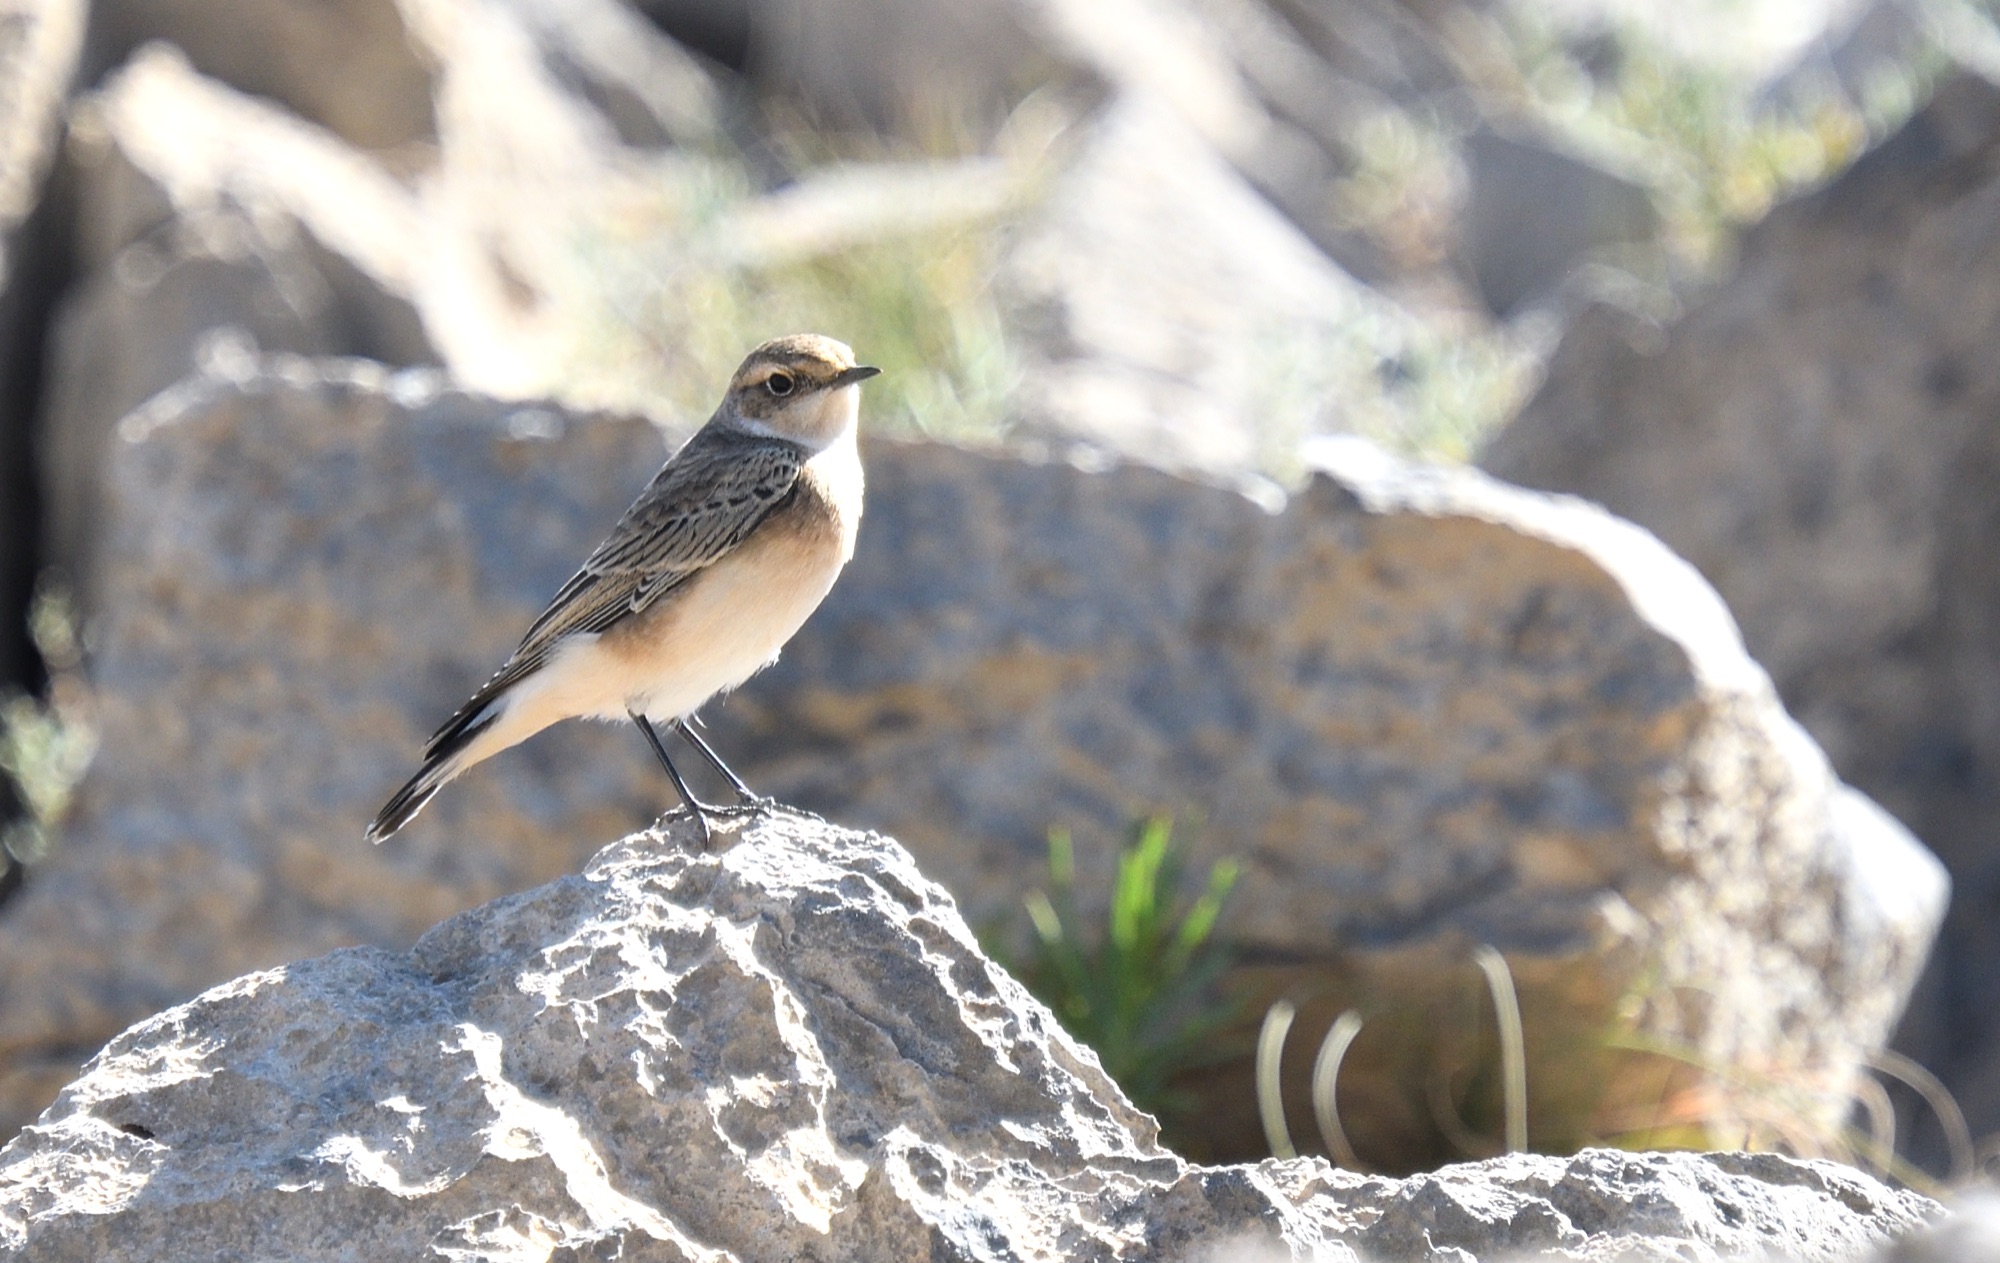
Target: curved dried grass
<point>1270,1096</point>
<point>1325,1087</point>
<point>1513,1044</point>
<point>1957,1134</point>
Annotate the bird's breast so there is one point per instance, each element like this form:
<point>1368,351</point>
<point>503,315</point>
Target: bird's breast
<point>829,493</point>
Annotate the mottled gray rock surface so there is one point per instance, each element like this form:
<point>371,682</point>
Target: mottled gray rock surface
<point>1425,710</point>
<point>1817,437</point>
<point>788,1048</point>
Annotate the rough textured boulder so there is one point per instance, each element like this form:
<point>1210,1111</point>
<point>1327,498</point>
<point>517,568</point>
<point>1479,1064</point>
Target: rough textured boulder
<point>787,1048</point>
<point>40,44</point>
<point>1818,438</point>
<point>1426,710</point>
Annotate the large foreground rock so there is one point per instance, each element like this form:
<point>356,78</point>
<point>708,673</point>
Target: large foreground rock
<point>1818,438</point>
<point>1425,710</point>
<point>788,1049</point>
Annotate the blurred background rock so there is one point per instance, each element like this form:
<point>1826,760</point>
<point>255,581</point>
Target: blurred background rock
<point>1726,267</point>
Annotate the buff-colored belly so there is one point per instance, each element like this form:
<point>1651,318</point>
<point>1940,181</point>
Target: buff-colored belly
<point>710,635</point>
<point>728,624</point>
<point>715,631</point>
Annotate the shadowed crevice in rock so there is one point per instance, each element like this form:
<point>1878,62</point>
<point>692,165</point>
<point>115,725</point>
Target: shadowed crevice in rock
<point>39,50</point>
<point>38,270</point>
<point>789,1047</point>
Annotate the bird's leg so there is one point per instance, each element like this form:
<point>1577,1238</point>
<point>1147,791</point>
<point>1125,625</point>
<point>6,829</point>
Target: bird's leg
<point>696,808</point>
<point>744,793</point>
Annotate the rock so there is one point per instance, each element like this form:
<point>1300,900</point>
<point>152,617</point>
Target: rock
<point>805,1021</point>
<point>1534,214</point>
<point>481,238</point>
<point>1165,312</point>
<point>532,181</point>
<point>1970,1233</point>
<point>302,630</point>
<point>649,88</point>
<point>1610,1204</point>
<point>349,67</point>
<point>180,262</point>
<point>40,44</point>
<point>369,71</point>
<point>1817,438</point>
<point>1275,90</point>
<point>1434,712</point>
<point>215,222</point>
<point>1426,711</point>
<point>716,29</point>
<point>903,67</point>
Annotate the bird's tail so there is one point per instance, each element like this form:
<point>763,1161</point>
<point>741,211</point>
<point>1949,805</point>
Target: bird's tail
<point>443,762</point>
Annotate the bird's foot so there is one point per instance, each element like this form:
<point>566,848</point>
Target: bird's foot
<point>751,805</point>
<point>704,837</point>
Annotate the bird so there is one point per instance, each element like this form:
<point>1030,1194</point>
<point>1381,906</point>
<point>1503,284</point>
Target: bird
<point>721,559</point>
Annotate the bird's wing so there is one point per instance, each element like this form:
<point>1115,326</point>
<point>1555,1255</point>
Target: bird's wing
<point>697,510</point>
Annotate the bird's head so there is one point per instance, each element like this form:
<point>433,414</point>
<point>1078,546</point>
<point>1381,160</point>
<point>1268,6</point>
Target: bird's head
<point>804,388</point>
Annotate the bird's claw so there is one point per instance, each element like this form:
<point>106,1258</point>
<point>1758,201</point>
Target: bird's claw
<point>704,837</point>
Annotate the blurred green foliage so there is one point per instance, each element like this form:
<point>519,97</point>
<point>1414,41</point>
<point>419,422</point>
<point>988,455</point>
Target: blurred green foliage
<point>1141,989</point>
<point>902,271</point>
<point>46,743</point>
<point>1705,135</point>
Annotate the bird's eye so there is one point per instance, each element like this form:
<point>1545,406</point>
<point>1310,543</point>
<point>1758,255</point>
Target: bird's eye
<point>780,384</point>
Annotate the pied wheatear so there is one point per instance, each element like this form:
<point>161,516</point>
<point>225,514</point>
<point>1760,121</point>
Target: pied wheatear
<point>720,560</point>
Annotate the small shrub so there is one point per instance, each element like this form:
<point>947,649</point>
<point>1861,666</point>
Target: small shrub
<point>46,743</point>
<point>1140,991</point>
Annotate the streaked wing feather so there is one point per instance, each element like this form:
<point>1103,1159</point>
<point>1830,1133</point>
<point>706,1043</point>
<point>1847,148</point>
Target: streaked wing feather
<point>700,507</point>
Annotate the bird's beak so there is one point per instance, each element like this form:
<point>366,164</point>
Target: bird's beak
<point>859,373</point>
